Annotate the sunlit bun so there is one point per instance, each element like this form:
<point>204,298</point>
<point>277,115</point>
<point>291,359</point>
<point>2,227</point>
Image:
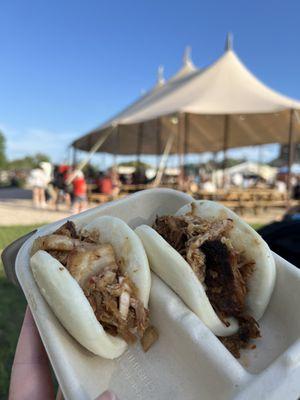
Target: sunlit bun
<point>66,298</point>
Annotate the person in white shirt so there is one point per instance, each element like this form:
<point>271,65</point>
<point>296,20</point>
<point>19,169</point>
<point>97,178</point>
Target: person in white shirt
<point>209,187</point>
<point>280,186</point>
<point>38,180</point>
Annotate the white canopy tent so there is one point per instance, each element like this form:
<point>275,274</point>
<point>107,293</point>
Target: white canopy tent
<point>219,107</point>
<point>246,168</point>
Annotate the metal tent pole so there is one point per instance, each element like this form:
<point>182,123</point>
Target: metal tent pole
<point>260,158</point>
<point>260,153</point>
<point>74,157</point>
<point>186,131</point>
<point>116,145</point>
<point>225,146</point>
<point>69,155</point>
<point>158,142</point>
<point>181,132</point>
<point>178,150</point>
<point>140,141</point>
<point>290,154</point>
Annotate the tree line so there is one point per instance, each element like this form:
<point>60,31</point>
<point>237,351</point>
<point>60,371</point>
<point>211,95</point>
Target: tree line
<point>26,162</point>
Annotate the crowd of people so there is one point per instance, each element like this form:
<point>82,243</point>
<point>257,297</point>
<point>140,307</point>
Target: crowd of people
<point>54,186</point>
<point>205,183</point>
<point>64,185</point>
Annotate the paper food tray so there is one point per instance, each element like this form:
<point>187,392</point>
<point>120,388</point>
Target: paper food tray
<point>188,361</point>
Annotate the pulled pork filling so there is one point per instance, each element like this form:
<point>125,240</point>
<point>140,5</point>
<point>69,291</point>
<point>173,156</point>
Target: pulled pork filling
<point>223,271</point>
<point>112,294</point>
<point>113,298</point>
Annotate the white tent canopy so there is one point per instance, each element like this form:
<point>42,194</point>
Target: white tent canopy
<point>221,106</point>
<point>246,168</point>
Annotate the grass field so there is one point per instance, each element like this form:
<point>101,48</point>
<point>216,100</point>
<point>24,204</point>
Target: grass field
<point>12,308</point>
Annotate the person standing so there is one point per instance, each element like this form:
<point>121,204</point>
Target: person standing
<point>50,191</point>
<point>105,184</point>
<point>38,180</point>
<point>79,191</point>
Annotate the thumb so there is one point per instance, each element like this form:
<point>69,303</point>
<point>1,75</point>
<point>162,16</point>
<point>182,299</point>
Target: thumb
<point>107,395</point>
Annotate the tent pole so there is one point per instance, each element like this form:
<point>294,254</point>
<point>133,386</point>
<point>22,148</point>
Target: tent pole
<point>186,141</point>
<point>158,143</point>
<point>74,157</point>
<point>225,146</point>
<point>260,153</point>
<point>260,158</point>
<point>140,141</point>
<point>178,151</point>
<point>115,150</point>
<point>69,156</point>
<point>115,175</point>
<point>181,143</point>
<point>290,156</point>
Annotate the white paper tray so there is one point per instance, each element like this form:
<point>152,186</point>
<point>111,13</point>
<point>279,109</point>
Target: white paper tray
<point>188,361</point>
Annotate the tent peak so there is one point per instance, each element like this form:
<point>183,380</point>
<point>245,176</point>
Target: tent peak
<point>187,59</point>
<point>229,41</point>
<point>160,76</point>
<point>188,66</point>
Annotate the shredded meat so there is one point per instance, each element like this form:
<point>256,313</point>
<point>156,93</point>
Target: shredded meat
<point>248,329</point>
<point>223,271</point>
<point>226,288</point>
<point>105,292</point>
<point>113,296</point>
<point>187,233</point>
<point>90,259</point>
<point>61,256</point>
<point>68,229</point>
<point>245,267</point>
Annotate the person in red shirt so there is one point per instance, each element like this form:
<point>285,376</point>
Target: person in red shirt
<point>79,192</point>
<point>105,184</point>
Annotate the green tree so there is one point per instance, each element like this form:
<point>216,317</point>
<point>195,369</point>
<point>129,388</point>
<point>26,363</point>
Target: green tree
<point>3,160</point>
<point>28,162</point>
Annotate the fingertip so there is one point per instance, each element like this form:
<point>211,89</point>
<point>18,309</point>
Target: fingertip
<point>107,395</point>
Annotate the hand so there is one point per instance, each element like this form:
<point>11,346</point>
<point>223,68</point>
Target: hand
<point>31,376</point>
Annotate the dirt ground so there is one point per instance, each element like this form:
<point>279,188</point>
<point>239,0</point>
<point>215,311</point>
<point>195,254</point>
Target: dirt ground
<point>16,209</point>
<point>21,212</point>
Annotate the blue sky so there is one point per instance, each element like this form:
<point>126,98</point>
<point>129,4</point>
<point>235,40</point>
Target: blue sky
<point>68,65</point>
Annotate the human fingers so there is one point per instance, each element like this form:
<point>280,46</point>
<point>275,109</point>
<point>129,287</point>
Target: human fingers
<point>30,377</point>
<point>107,395</point>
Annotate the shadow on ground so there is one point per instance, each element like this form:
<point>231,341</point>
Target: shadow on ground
<point>15,194</point>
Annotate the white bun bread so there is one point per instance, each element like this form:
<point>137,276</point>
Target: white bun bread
<point>247,240</point>
<point>171,267</point>
<point>66,298</point>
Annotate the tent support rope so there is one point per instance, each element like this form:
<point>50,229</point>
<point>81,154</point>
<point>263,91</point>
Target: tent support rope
<point>93,150</point>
